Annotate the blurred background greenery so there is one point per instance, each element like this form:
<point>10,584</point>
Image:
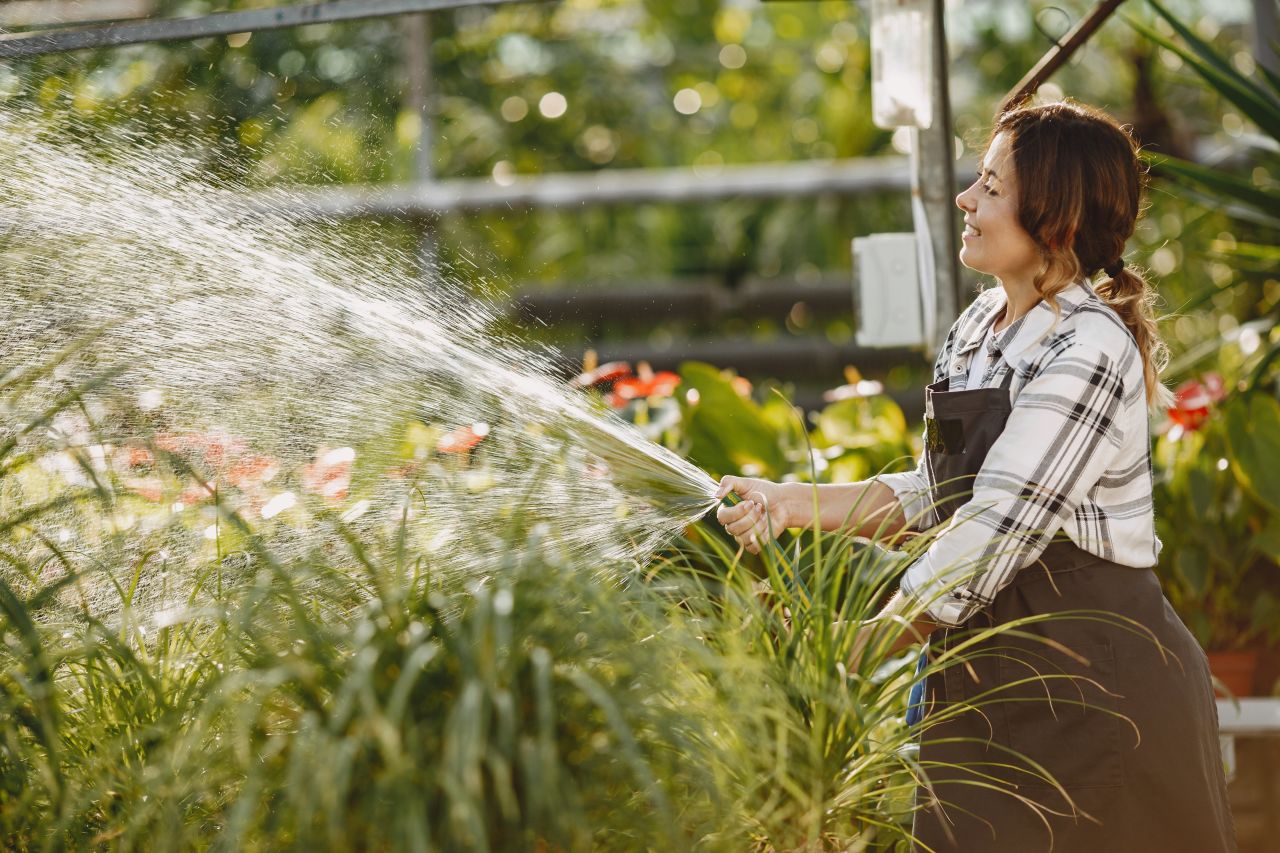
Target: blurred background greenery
<point>586,85</point>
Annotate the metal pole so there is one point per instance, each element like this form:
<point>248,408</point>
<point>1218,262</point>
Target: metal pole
<point>1264,35</point>
<point>224,23</point>
<point>933,181</point>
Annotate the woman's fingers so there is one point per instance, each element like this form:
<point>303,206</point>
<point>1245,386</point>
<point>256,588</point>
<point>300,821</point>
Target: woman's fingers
<point>727,484</point>
<point>726,515</point>
<point>744,519</point>
<point>749,527</point>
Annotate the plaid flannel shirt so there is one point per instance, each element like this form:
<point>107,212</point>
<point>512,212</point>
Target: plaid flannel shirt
<point>1075,455</point>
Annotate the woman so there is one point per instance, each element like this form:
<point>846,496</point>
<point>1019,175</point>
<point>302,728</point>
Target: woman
<point>1037,465</point>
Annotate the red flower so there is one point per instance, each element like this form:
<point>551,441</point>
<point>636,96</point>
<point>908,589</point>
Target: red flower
<point>1193,399</point>
<point>661,384</point>
<point>216,448</point>
<point>197,494</point>
<point>603,375</point>
<point>462,439</point>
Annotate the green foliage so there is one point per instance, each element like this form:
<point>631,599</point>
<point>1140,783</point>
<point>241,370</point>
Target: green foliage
<point>363,695</point>
<point>1216,493</point>
<point>1253,446</point>
<point>362,691</point>
<point>1259,101</point>
<point>330,104</point>
<point>1219,528</point>
<point>1252,198</point>
<point>723,429</point>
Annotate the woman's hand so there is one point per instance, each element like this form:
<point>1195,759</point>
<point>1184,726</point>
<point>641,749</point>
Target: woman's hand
<point>761,500</point>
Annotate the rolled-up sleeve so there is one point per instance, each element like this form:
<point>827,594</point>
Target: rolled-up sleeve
<point>1062,434</point>
<point>911,488</point>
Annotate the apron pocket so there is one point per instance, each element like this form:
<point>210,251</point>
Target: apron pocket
<point>944,435</point>
<point>1063,713</point>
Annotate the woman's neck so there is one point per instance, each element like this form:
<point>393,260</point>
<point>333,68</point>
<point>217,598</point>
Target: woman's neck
<point>1020,297</point>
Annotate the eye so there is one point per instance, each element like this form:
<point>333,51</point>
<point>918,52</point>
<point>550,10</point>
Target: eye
<point>986,188</point>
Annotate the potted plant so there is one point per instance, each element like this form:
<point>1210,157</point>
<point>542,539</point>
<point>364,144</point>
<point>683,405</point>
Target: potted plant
<point>1217,494</point>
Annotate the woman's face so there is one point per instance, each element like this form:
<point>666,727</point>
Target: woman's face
<point>994,241</point>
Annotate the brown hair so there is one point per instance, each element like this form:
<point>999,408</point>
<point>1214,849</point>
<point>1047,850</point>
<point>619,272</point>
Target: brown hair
<point>1088,184</point>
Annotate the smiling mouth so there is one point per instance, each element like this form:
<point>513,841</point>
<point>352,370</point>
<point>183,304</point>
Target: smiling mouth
<point>970,231</point>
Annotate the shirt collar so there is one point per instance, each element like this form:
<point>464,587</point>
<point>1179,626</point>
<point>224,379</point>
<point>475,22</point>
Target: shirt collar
<point>1027,330</point>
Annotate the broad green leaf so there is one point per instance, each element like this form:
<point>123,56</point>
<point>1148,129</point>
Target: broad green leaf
<point>783,418</point>
<point>848,468</point>
<point>1192,564</point>
<point>725,430</point>
<point>1266,614</point>
<point>847,422</point>
<point>1253,445</point>
<point>1267,540</point>
<point>1200,488</point>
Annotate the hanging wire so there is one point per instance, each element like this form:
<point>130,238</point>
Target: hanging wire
<point>1064,17</point>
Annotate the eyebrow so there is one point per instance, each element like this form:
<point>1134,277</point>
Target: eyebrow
<point>989,173</point>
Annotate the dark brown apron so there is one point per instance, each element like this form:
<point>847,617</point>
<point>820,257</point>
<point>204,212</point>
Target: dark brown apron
<point>1126,723</point>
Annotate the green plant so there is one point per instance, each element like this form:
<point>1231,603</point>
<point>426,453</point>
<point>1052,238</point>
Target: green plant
<point>1217,505</point>
<point>1218,513</point>
<point>712,417</point>
<point>1252,199</point>
<point>368,687</point>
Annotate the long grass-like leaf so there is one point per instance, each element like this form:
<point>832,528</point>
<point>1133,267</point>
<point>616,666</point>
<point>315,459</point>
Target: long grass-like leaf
<point>1262,107</point>
<point>1230,186</point>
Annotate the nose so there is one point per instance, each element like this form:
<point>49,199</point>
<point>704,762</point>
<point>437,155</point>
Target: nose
<point>963,201</point>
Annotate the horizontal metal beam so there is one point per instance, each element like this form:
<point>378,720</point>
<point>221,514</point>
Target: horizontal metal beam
<point>43,13</point>
<point>223,23</point>
<point>1249,716</point>
<point>603,187</point>
<point>791,357</point>
<point>699,301</point>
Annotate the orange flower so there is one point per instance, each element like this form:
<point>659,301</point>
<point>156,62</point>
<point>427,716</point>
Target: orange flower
<point>196,494</point>
<point>147,488</point>
<point>330,474</point>
<point>462,439</point>
<point>139,456</point>
<point>251,471</point>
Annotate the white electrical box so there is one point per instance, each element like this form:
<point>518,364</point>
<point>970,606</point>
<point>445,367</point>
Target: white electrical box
<point>887,292</point>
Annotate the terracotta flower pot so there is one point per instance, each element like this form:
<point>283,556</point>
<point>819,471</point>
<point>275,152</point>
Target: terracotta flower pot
<point>1235,669</point>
